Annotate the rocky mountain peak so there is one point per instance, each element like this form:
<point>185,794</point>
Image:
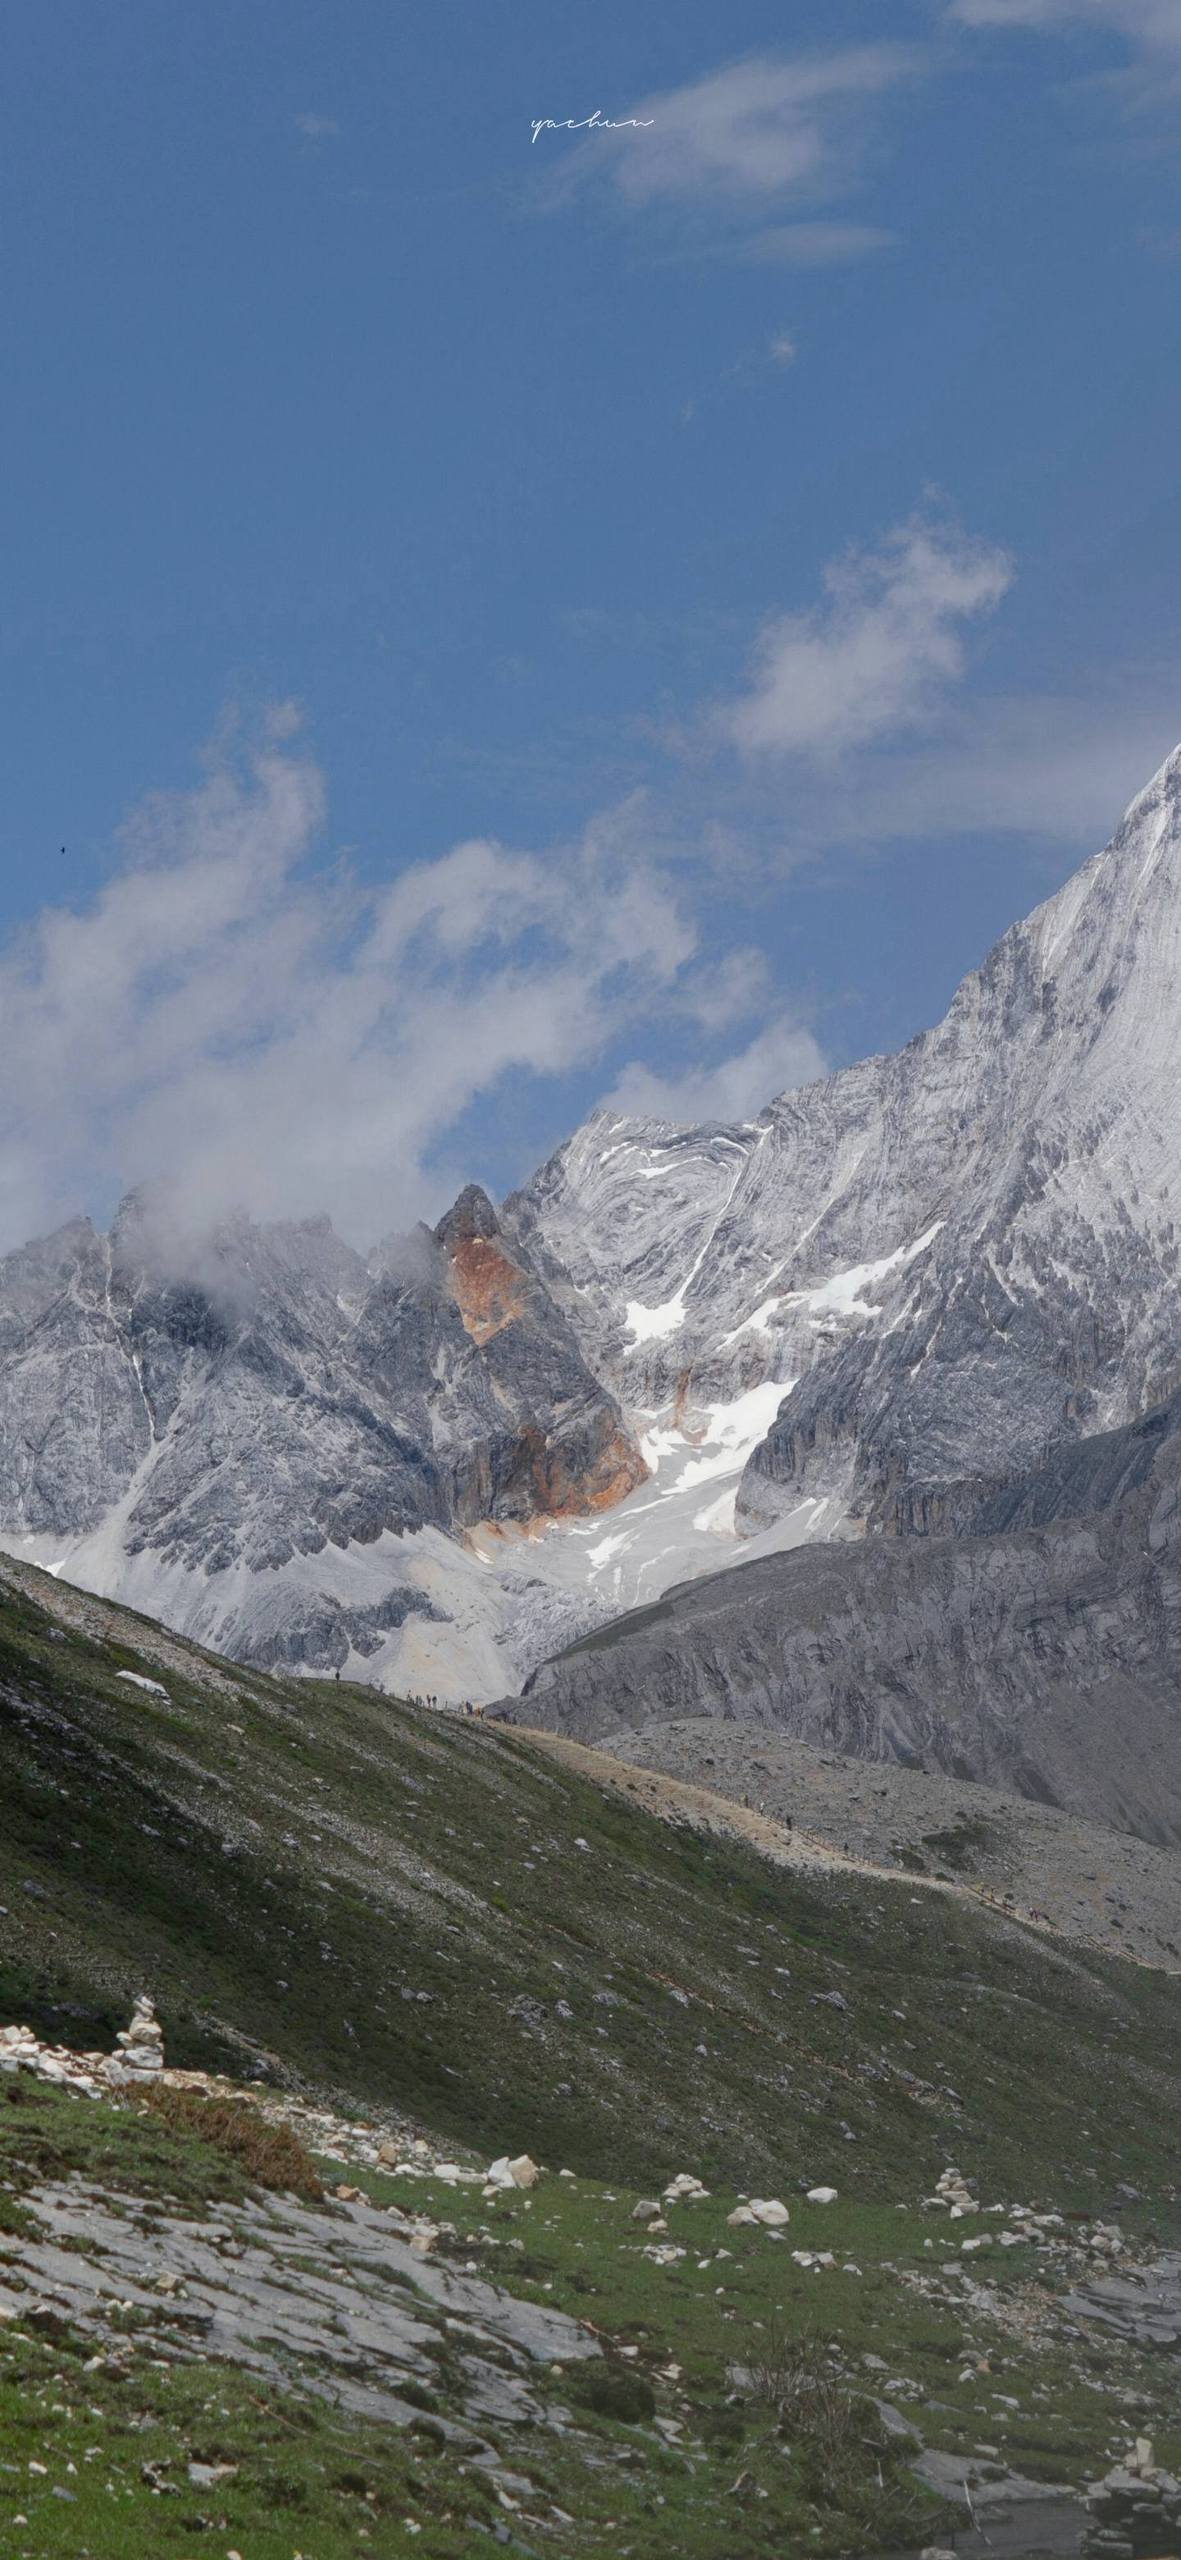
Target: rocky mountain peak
<point>472,1214</point>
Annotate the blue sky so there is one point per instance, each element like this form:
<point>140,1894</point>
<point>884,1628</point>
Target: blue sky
<point>496,623</point>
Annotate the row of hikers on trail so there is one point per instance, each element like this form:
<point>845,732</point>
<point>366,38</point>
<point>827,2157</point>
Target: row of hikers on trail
<point>469,1707</point>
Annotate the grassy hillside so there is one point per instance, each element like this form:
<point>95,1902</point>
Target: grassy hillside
<point>436,1917</point>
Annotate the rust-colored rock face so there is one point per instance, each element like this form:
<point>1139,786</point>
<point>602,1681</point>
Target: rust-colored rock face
<point>557,1447</point>
<point>564,1492</point>
<point>490,1291</point>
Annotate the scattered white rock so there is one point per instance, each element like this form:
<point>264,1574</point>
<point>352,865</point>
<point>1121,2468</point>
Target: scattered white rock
<point>683,2189</point>
<point>505,2173</point>
<point>137,1681</point>
<point>822,2195</point>
<point>769,2211</point>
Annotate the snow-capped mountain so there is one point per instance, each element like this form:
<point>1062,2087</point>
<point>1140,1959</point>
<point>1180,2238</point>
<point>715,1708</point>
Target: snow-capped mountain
<point>868,1309</point>
<point>949,1259</point>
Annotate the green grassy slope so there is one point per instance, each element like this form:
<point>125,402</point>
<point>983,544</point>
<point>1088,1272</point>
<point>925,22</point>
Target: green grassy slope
<point>434,1915</point>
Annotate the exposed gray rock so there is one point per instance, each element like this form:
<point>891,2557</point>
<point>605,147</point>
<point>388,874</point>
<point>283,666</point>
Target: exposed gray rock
<point>1144,2307</point>
<point>1015,1659</point>
<point>339,2304</point>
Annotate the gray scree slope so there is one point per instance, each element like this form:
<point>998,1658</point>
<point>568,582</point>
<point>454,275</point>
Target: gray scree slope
<point>1043,1659</point>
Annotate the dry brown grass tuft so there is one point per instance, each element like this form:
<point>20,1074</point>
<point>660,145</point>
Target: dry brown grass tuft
<point>268,2154</point>
<point>794,2376</point>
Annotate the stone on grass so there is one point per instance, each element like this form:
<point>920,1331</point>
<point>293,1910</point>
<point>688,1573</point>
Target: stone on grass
<point>822,2195</point>
<point>505,2173</point>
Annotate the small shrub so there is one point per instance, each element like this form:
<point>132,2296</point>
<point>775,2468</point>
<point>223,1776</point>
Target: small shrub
<point>281,2489</point>
<point>723,2430</point>
<point>961,1842</point>
<point>627,2397</point>
<point>269,2154</point>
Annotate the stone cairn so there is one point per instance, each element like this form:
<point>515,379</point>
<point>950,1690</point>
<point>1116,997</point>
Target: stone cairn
<point>1135,2511</point>
<point>141,2046</point>
<point>139,2055</point>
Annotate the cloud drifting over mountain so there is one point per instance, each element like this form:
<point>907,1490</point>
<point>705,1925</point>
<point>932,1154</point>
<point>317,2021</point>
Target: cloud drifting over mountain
<point>256,1029</point>
<point>260,1030</point>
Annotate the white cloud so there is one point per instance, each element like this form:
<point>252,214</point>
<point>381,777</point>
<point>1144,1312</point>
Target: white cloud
<point>747,141</point>
<point>261,1031</point>
<point>782,348</point>
<point>316,128</point>
<point>1154,25</point>
<point>875,657</point>
<point>1054,767</point>
<point>782,1055</point>
<point>1150,31</point>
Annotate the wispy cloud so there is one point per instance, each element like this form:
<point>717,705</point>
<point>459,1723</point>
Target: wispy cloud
<point>1057,768</point>
<point>316,128</point>
<point>1150,31</point>
<point>875,657</point>
<point>757,364</point>
<point>783,1054</point>
<point>748,145</point>
<point>1155,24</point>
<point>230,1015</point>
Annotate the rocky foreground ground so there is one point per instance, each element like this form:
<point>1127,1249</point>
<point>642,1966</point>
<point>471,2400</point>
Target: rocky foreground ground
<point>452,2350</point>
